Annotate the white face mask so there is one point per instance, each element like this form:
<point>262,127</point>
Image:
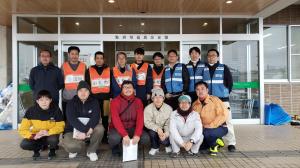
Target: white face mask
<point>211,64</point>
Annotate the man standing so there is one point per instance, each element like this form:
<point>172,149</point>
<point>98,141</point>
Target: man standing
<point>46,76</point>
<point>175,80</point>
<point>121,72</point>
<point>74,72</point>
<point>143,73</point>
<point>158,69</point>
<point>98,77</point>
<point>219,80</point>
<point>195,68</point>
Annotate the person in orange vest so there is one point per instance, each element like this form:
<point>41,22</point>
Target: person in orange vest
<point>73,71</point>
<point>120,73</point>
<point>143,75</point>
<point>98,76</point>
<point>158,69</point>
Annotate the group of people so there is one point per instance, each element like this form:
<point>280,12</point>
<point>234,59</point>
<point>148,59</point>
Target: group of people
<point>179,106</point>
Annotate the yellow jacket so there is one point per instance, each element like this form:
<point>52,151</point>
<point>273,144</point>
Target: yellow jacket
<point>212,111</point>
<point>36,119</point>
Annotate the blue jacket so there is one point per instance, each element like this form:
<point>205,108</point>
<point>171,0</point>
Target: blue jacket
<point>175,80</point>
<point>216,83</point>
<point>46,78</point>
<point>195,73</point>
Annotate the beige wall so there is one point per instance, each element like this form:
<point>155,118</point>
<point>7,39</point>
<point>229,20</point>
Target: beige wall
<point>5,56</point>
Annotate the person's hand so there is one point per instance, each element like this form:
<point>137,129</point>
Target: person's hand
<point>45,133</point>
<point>37,136</point>
<point>89,132</point>
<point>148,96</point>
<point>159,131</point>
<point>126,140</point>
<point>163,137</point>
<point>168,95</point>
<point>135,140</point>
<point>188,146</point>
<point>80,136</point>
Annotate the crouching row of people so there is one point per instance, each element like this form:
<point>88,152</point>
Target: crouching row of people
<point>202,123</point>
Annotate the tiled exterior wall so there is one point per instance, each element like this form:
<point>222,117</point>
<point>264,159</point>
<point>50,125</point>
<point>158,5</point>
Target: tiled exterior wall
<point>286,95</point>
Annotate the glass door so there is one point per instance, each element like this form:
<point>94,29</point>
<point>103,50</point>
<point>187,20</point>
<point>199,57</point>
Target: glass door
<point>87,51</point>
<point>204,46</point>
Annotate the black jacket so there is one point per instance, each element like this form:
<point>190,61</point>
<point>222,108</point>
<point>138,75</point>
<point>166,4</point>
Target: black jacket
<point>46,78</point>
<point>89,109</point>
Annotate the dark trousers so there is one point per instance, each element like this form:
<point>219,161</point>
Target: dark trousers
<point>36,145</point>
<point>173,102</point>
<point>155,140</point>
<point>64,107</point>
<point>114,138</point>
<point>212,134</point>
<point>104,119</point>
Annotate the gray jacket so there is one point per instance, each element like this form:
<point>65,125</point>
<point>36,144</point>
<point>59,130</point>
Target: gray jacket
<point>154,119</point>
<point>181,129</point>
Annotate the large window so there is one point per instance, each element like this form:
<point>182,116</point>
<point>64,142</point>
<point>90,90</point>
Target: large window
<point>200,25</point>
<point>37,25</point>
<point>295,53</point>
<point>275,52</point>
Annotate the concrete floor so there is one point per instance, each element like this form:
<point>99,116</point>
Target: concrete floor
<point>258,146</point>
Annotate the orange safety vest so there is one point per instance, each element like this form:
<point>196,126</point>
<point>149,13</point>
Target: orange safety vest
<point>157,78</point>
<point>141,74</point>
<point>120,77</point>
<point>100,83</point>
<point>72,78</point>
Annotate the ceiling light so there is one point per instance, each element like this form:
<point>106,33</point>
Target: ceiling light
<point>120,25</point>
<point>77,23</point>
<point>205,24</point>
<point>228,2</point>
<point>111,1</point>
<point>142,23</point>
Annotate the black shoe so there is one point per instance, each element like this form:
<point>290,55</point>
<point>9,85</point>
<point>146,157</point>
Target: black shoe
<point>116,151</point>
<point>51,154</point>
<point>175,155</point>
<point>191,154</point>
<point>36,155</point>
<point>231,148</point>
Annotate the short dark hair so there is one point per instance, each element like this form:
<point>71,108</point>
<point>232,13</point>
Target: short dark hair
<point>172,51</point>
<point>158,54</point>
<point>73,48</point>
<point>43,93</point>
<point>194,49</point>
<point>99,53</point>
<point>201,83</point>
<point>214,51</point>
<point>139,51</point>
<point>46,50</point>
<point>121,53</point>
<point>127,82</point>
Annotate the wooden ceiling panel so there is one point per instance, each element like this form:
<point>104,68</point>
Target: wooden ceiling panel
<point>120,7</point>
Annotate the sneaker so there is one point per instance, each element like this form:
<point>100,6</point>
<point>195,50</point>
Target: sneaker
<point>36,155</point>
<point>51,154</point>
<point>175,155</point>
<point>214,150</point>
<point>231,148</point>
<point>153,151</point>
<point>191,154</point>
<point>72,155</point>
<point>220,142</point>
<point>168,149</point>
<point>93,156</point>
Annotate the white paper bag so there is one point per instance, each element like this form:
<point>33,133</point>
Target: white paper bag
<point>130,152</point>
<point>84,121</point>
